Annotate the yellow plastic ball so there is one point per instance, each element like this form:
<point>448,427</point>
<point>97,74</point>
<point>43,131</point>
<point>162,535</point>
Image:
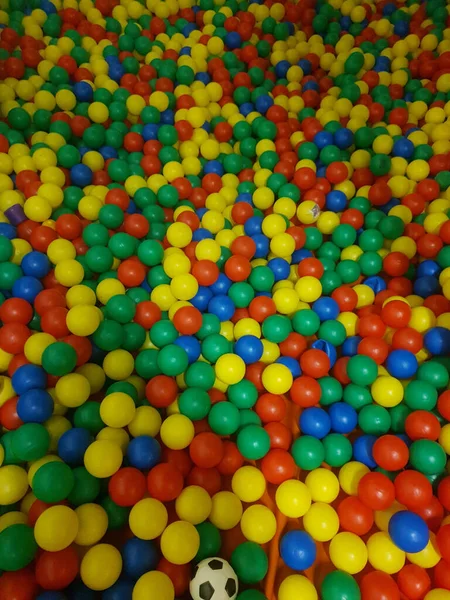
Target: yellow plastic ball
<point>383,554</point>
<point>13,484</point>
<point>92,524</point>
<point>348,552</point>
<point>83,320</point>
<point>308,212</point>
<point>248,483</point>
<point>323,485</point>
<point>297,586</point>
<point>226,510</point>
<point>101,567</point>
<point>177,432</point>
<point>59,250</point>
<point>428,557</point>
<point>308,288</point>
<point>293,498</point>
<point>148,519</point>
<point>69,273</point>
<point>94,375</point>
<point>80,294</point>
<point>146,421</point>
<point>321,522</point>
<point>277,379</point>
<point>72,390</point>
<point>180,542</point>
<point>258,524</point>
<point>117,409</point>
<point>155,585</point>
<point>437,594</point>
<point>118,364</point>
<point>179,235</point>
<point>184,287</point>
<point>230,368</point>
<point>56,528</point>
<point>193,505</point>
<point>103,458</point>
<point>387,391</point>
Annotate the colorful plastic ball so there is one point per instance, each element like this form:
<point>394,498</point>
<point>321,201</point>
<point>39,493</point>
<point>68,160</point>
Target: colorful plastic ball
<point>402,364</point>
<point>408,531</point>
<point>248,484</point>
<point>384,554</point>
<point>338,585</point>
<point>103,458</point>
<point>100,567</point>
<point>258,524</point>
<point>180,542</point>
<point>348,552</point>
<point>193,505</point>
<point>297,550</point>
<point>297,585</point>
<point>249,562</point>
<point>144,452</point>
<point>153,585</point>
<point>18,547</point>
<point>139,556</point>
<point>293,498</point>
<point>56,528</point>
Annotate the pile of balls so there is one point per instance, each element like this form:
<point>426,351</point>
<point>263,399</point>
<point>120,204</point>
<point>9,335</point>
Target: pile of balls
<point>224,299</point>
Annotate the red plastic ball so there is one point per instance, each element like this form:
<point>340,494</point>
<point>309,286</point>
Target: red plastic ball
<point>127,486</point>
<point>422,425</point>
<point>390,453</point>
<point>278,466</point>
<point>165,482</point>
<point>57,570</point>
<point>187,320</point>
<point>18,585</point>
<point>413,490</point>
<point>376,491</point>
<point>206,450</point>
<point>232,459</point>
<point>354,516</point>
<point>414,582</point>
<point>378,585</point>
<point>161,391</point>
<point>209,479</point>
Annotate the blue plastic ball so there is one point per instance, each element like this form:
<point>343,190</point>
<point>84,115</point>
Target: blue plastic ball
<point>409,531</point>
<point>222,306</point>
<point>27,288</point>
<point>28,377</point>
<point>326,308</point>
<point>315,421</point>
<point>249,348</point>
<point>402,364</point>
<point>35,264</point>
<point>343,417</point>
<point>139,556</point>
<point>298,550</point>
<point>121,590</point>
<point>437,341</point>
<point>362,450</point>
<point>35,406</point>
<point>190,345</point>
<point>144,452</point>
<point>73,444</point>
<point>81,175</point>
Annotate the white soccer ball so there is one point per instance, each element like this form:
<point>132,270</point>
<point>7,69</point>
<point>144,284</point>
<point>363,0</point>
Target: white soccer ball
<point>214,579</point>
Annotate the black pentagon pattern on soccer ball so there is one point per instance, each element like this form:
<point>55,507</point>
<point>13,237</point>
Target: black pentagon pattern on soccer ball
<point>230,588</point>
<point>206,591</point>
<point>215,565</point>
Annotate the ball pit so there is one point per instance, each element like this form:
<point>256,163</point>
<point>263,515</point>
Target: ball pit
<point>224,299</point>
